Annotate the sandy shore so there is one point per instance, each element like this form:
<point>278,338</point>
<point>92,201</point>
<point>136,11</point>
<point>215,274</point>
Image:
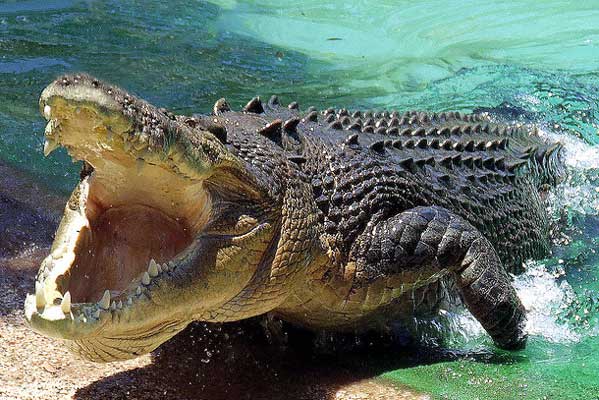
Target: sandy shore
<point>203,362</point>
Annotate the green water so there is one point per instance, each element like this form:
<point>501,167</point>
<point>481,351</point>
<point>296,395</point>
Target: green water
<point>535,61</point>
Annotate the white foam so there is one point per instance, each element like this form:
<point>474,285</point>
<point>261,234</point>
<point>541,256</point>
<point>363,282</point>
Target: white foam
<point>577,154</point>
<point>542,295</point>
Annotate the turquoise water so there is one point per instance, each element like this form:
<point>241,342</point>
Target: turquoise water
<point>538,62</point>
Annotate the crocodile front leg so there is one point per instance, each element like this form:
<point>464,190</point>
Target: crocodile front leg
<point>424,244</point>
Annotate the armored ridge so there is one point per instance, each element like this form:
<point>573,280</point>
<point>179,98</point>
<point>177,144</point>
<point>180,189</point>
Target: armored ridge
<point>381,162</point>
<point>334,220</point>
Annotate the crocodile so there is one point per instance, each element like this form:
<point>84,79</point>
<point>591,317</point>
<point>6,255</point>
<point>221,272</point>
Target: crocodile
<point>330,220</point>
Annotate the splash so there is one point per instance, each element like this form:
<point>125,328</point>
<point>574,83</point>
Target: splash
<point>545,299</point>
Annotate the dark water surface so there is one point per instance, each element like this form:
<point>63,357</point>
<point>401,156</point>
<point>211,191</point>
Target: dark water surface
<point>519,60</point>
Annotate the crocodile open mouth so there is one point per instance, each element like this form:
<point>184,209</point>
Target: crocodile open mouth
<point>124,226</point>
<point>135,223</point>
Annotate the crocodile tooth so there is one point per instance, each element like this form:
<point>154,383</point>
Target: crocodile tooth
<point>40,300</point>
<point>104,303</point>
<point>47,111</point>
<point>145,279</point>
<point>119,305</point>
<point>165,267</point>
<point>49,146</point>
<point>65,304</point>
<point>113,305</point>
<point>96,314</point>
<point>160,269</point>
<point>152,269</point>
<point>129,301</point>
<point>49,129</point>
<point>138,290</point>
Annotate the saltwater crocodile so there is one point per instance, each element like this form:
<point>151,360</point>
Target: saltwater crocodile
<point>330,220</point>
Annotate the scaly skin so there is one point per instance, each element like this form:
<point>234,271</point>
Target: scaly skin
<point>328,219</point>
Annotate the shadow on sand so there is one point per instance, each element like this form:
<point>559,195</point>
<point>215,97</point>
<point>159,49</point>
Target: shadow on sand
<point>235,361</point>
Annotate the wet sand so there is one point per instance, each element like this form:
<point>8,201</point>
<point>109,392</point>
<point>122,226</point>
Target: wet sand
<point>232,361</point>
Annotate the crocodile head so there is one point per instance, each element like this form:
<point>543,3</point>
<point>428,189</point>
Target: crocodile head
<point>166,225</point>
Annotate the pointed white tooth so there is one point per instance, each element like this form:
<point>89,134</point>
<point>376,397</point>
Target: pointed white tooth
<point>165,267</point>
<point>40,300</point>
<point>47,111</point>
<point>129,301</point>
<point>159,268</point>
<point>138,290</point>
<point>65,304</point>
<point>113,305</point>
<point>152,269</point>
<point>49,146</point>
<point>50,126</point>
<point>119,305</point>
<point>105,302</point>
<point>96,314</point>
<point>145,279</point>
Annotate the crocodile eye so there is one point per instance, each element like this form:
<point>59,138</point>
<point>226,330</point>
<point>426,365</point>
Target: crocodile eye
<point>244,224</point>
